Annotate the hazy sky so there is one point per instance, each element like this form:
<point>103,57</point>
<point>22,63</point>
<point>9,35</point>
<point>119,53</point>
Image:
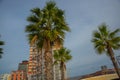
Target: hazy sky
<point>82,16</point>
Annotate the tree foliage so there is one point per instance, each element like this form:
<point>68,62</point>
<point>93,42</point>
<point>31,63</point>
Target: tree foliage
<point>103,36</point>
<point>1,49</point>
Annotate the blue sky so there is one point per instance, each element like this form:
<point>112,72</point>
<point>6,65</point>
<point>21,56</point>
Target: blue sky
<point>82,16</point>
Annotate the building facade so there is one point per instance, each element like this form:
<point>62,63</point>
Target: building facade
<point>23,66</point>
<point>36,66</point>
<point>5,77</point>
<point>18,75</point>
<point>21,73</point>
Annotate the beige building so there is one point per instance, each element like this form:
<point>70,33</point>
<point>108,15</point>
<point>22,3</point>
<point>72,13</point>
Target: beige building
<point>5,77</point>
<point>103,74</point>
<point>32,64</point>
<point>103,77</point>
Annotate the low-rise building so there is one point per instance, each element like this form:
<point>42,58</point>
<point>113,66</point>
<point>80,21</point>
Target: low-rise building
<point>104,74</point>
<point>103,77</point>
<point>23,66</point>
<point>5,77</point>
<point>21,73</point>
<point>18,75</point>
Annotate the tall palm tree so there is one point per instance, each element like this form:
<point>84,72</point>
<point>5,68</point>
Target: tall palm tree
<point>105,40</point>
<point>62,56</point>
<point>47,27</point>
<point>1,49</point>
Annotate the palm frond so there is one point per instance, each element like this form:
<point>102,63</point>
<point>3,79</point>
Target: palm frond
<point>1,43</point>
<point>103,30</point>
<point>62,55</point>
<point>36,11</point>
<point>50,5</point>
<point>116,46</point>
<point>113,33</point>
<point>97,35</point>
<point>115,39</point>
<point>33,19</point>
<point>31,28</point>
<point>60,13</point>
<point>100,49</point>
<point>1,51</point>
<point>115,43</point>
<point>0,56</point>
<point>55,62</point>
<point>98,43</point>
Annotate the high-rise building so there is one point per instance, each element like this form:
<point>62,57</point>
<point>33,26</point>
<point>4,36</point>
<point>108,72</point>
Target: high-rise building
<point>36,66</point>
<point>32,64</point>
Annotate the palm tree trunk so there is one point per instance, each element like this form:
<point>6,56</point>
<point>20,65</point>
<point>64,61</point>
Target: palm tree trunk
<point>111,53</point>
<point>42,64</point>
<point>62,71</point>
<point>48,66</point>
<point>48,63</point>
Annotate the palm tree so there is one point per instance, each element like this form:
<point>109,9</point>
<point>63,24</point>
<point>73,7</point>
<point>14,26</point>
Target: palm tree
<point>62,56</point>
<point>47,27</point>
<point>1,49</point>
<point>105,40</point>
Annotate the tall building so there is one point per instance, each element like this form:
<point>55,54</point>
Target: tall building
<point>32,64</point>
<point>36,66</point>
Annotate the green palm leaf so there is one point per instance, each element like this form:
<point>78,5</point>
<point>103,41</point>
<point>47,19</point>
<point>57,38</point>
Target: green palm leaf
<point>1,49</point>
<point>62,55</point>
<point>1,43</point>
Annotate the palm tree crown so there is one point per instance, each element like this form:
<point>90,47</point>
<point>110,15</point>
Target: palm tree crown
<point>61,57</point>
<point>103,37</point>
<point>47,24</point>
